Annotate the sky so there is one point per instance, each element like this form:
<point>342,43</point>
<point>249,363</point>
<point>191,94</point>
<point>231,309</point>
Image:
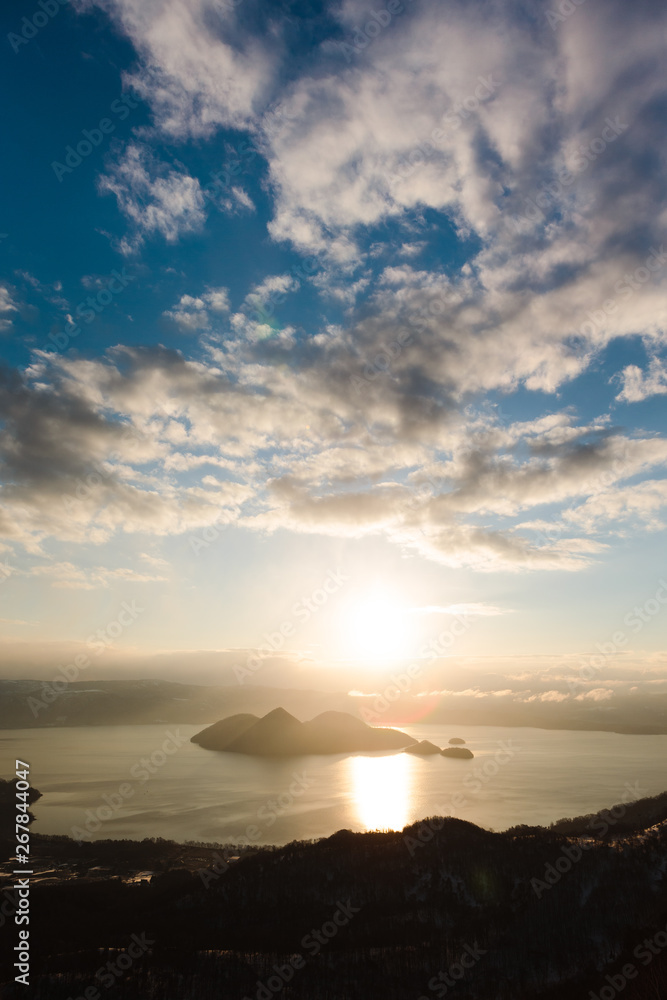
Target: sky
<point>335,330</point>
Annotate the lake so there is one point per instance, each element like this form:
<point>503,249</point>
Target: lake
<point>150,781</point>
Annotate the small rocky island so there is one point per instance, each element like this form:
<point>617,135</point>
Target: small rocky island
<point>456,741</point>
<point>425,747</point>
<point>281,734</point>
<point>461,752</point>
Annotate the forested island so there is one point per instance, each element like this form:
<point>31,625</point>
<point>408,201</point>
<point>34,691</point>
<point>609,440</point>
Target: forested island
<point>280,734</point>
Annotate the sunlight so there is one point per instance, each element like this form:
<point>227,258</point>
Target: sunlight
<point>376,629</point>
<point>381,787</point>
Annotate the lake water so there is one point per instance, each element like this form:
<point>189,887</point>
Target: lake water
<point>517,776</point>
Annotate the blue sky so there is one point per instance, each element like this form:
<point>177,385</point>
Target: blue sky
<point>330,292</point>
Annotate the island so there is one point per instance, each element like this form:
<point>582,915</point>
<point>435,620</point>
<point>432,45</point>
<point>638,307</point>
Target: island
<point>281,734</point>
<point>456,741</point>
<point>461,752</point>
<point>423,747</point>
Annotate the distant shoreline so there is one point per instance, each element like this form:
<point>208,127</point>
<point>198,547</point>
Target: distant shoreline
<point>446,722</point>
<point>35,704</point>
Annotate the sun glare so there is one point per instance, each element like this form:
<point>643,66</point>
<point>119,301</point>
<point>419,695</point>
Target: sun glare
<point>382,790</point>
<point>375,628</point>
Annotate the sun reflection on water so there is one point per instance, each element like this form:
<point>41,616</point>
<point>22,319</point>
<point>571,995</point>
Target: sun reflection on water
<point>382,788</point>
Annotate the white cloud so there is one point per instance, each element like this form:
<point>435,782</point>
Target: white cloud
<point>200,68</point>
<point>306,452</point>
<point>154,197</point>
<point>473,117</point>
<point>153,560</point>
<point>542,297</point>
<point>193,313</point>
<point>641,504</point>
<point>67,576</point>
<point>411,249</point>
<point>272,287</point>
<point>595,694</point>
<point>243,199</point>
<point>639,385</point>
<point>7,307</point>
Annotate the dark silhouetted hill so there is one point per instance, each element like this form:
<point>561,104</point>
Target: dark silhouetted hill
<point>280,734</point>
<point>539,914</point>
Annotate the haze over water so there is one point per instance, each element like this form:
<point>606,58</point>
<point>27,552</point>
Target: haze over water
<point>202,795</point>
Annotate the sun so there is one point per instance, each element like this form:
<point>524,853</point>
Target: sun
<point>375,627</point>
